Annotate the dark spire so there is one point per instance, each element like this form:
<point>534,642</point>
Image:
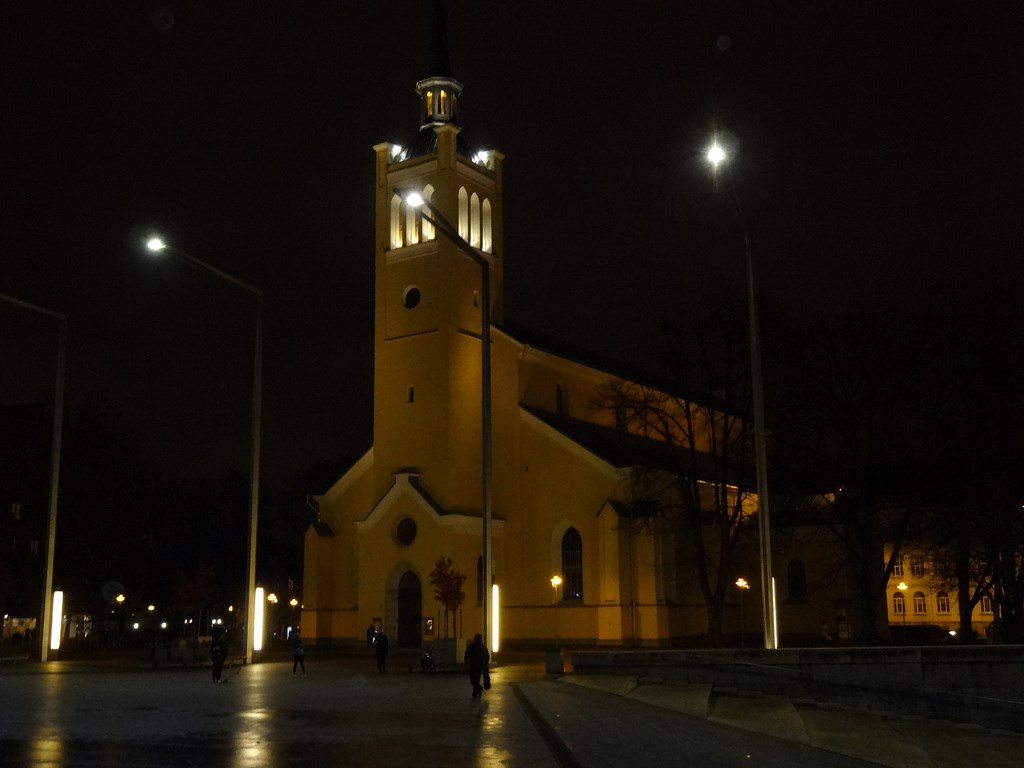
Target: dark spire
<point>440,63</point>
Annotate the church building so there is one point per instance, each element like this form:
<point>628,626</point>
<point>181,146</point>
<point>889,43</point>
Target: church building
<point>561,480</point>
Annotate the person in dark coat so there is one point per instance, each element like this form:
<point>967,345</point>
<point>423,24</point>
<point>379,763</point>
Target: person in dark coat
<point>298,652</point>
<point>477,657</point>
<point>218,653</point>
<point>380,647</point>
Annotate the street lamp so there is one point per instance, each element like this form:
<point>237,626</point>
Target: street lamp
<point>716,155</point>
<point>46,631</point>
<point>556,582</point>
<point>157,245</point>
<point>743,586</point>
<point>902,587</point>
<point>440,224</point>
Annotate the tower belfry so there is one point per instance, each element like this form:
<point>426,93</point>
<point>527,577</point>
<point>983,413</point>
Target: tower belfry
<point>427,295</point>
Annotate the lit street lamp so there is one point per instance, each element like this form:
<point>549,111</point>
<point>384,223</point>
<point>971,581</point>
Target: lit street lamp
<point>48,639</point>
<point>743,586</point>
<point>902,587</point>
<point>157,245</point>
<point>440,224</point>
<point>716,155</point>
<point>556,582</point>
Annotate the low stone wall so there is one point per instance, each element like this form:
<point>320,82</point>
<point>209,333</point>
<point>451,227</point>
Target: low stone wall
<point>972,684</point>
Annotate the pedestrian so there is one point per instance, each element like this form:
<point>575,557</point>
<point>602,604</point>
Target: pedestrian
<point>380,647</point>
<point>371,635</point>
<point>218,653</point>
<point>298,652</point>
<point>476,658</point>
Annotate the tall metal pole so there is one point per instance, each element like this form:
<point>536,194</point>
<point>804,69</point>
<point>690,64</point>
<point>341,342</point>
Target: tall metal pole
<point>716,155</point>
<point>156,245</point>
<point>437,220</point>
<point>55,452</point>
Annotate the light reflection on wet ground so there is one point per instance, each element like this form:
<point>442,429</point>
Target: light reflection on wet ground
<point>341,714</point>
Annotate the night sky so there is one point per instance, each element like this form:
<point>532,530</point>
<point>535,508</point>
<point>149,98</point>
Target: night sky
<point>880,165</point>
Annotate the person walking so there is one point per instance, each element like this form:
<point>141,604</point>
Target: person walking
<point>218,653</point>
<point>380,648</point>
<point>476,658</point>
<point>298,652</point>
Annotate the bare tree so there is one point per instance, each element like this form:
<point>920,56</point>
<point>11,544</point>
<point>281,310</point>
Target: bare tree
<point>447,584</point>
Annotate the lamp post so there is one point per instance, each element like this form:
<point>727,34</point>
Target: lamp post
<point>556,582</point>
<point>157,245</point>
<point>902,587</point>
<point>440,224</point>
<point>743,586</point>
<point>46,630</point>
<point>716,155</point>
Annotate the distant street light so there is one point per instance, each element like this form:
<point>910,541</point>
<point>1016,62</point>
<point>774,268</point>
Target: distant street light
<point>157,245</point>
<point>743,586</point>
<point>716,155</point>
<point>440,224</point>
<point>46,634</point>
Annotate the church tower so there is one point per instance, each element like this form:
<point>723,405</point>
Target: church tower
<point>427,417</point>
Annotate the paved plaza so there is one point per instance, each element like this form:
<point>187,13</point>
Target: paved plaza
<point>343,713</point>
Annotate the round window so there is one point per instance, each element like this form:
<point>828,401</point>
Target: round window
<point>411,297</point>
<point>406,532</point>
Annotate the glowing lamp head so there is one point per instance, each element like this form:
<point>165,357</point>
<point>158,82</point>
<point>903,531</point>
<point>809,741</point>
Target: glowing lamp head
<point>414,200</point>
<point>155,244</point>
<point>742,583</point>
<point>715,154</point>
<point>556,581</point>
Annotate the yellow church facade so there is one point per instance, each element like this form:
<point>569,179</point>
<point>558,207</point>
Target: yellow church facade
<point>559,508</point>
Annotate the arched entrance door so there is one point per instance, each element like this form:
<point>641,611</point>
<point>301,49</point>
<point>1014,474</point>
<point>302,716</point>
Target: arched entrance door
<point>410,610</point>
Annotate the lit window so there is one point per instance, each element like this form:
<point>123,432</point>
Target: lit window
<point>474,220</point>
<point>897,568</point>
<point>430,103</point>
<point>920,605</point>
<point>396,222</point>
<point>572,565</point>
<point>986,604</point>
<point>486,234</point>
<point>898,606</point>
<point>942,602</point>
<point>463,213</point>
<point>442,103</point>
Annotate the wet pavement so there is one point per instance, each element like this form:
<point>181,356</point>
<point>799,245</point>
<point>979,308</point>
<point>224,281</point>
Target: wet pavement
<point>345,713</point>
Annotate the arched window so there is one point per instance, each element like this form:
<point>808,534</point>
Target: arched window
<point>796,577</point>
<point>572,565</point>
<point>920,604</point>
<point>561,401</point>
<point>442,103</point>
<point>942,602</point>
<point>485,235</point>
<point>430,104</point>
<point>396,222</point>
<point>426,226</point>
<point>899,607</point>
<point>474,220</point>
<point>463,213</point>
<point>412,230</point>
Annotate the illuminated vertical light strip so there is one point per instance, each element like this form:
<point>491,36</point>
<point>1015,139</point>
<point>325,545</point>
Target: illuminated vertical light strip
<point>495,626</point>
<point>775,614</point>
<point>257,621</point>
<point>56,619</point>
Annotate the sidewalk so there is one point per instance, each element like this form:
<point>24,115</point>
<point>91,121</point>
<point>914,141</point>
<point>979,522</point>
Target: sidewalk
<point>344,712</point>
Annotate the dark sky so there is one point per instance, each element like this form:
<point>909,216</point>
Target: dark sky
<point>880,164</point>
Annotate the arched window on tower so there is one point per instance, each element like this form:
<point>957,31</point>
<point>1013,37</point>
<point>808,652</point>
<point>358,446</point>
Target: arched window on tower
<point>474,220</point>
<point>442,103</point>
<point>426,227</point>
<point>412,225</point>
<point>485,235</point>
<point>572,565</point>
<point>429,101</point>
<point>396,222</point>
<point>463,213</point>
